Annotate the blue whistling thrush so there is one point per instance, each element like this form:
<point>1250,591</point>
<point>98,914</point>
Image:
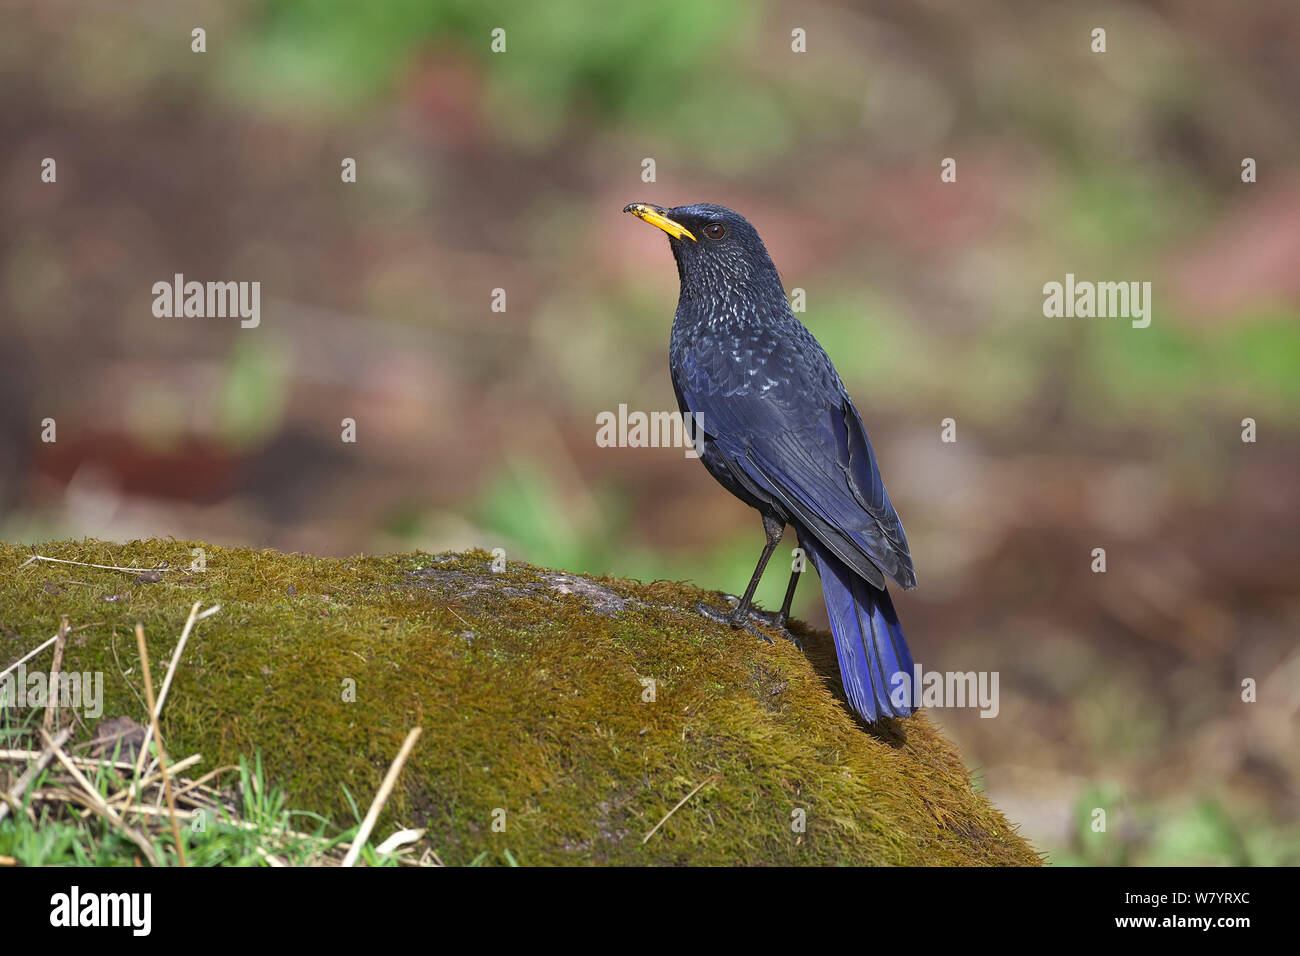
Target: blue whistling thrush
<point>781,434</point>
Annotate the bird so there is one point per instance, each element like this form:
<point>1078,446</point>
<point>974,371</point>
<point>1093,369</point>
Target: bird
<point>780,432</point>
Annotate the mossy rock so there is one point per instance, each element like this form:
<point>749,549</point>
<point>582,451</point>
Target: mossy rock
<point>530,686</point>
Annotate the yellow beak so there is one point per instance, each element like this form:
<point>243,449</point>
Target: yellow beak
<point>655,216</point>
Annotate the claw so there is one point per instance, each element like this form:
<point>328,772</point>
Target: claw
<point>733,619</point>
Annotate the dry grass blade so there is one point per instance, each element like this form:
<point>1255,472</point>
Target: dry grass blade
<point>156,710</point>
<point>399,839</point>
<point>271,859</point>
<point>680,804</point>
<point>32,653</point>
<point>93,800</point>
<point>126,794</point>
<point>86,763</point>
<point>31,773</point>
<point>52,705</point>
<point>153,723</point>
<point>102,567</point>
<point>28,656</point>
<point>199,783</point>
<point>385,788</point>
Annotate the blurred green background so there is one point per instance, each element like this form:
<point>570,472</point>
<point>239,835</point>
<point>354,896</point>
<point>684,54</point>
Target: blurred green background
<point>480,170</point>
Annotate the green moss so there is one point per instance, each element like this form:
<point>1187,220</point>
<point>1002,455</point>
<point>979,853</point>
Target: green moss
<point>531,700</point>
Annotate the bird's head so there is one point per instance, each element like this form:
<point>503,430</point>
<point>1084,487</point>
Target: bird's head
<point>717,251</point>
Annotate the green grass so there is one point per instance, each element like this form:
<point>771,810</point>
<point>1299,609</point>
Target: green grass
<point>56,833</point>
<point>1199,830</point>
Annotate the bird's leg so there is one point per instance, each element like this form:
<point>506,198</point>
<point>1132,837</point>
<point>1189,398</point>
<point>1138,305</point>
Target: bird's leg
<point>783,618</point>
<point>774,528</point>
<point>739,617</point>
<point>800,564</point>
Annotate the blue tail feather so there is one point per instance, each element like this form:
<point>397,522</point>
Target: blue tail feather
<point>869,641</point>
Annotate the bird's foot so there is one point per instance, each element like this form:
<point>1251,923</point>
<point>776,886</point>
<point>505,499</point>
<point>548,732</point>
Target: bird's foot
<point>738,619</point>
<point>732,619</point>
<point>777,622</point>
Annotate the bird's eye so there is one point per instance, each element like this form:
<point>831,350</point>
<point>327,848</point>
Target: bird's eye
<point>715,230</point>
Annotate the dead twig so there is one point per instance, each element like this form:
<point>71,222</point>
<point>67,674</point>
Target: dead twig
<point>92,798</point>
<point>162,751</point>
<point>385,788</point>
<point>102,567</point>
<point>30,654</point>
<point>52,704</point>
<point>90,763</point>
<point>183,792</point>
<point>139,786</point>
<point>680,804</point>
<point>156,710</point>
<point>31,773</point>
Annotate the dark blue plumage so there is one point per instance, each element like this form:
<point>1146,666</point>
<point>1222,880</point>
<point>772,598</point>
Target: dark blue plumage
<point>781,433</point>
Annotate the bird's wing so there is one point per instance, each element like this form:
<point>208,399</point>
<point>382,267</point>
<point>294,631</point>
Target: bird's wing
<point>802,444</point>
